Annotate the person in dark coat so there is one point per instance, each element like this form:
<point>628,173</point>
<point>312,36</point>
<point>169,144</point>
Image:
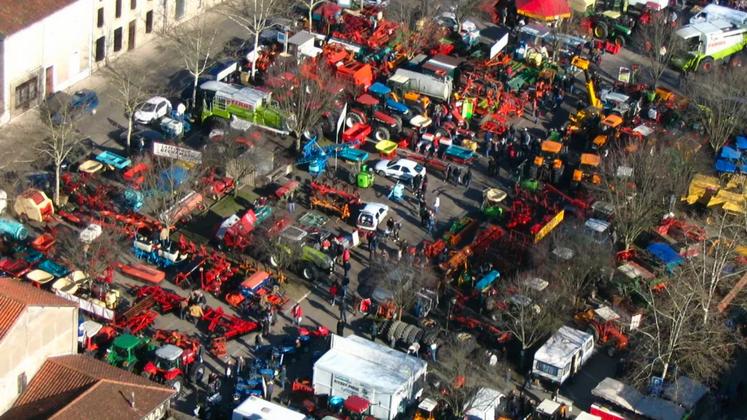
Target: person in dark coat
<point>340,327</point>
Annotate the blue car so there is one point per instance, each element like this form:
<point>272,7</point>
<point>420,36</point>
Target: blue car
<point>63,107</point>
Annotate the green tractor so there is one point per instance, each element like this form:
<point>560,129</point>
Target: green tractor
<point>127,350</point>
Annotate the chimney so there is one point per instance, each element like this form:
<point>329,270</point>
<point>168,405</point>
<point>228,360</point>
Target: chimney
<point>132,400</point>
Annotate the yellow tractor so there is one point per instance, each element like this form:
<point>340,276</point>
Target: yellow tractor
<point>548,163</point>
<point>710,191</point>
<point>595,104</point>
<point>587,171</point>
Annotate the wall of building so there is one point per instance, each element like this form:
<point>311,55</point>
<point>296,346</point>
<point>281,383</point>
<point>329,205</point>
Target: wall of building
<point>58,42</point>
<point>39,333</point>
<point>147,17</point>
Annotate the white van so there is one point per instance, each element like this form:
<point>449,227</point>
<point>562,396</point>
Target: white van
<point>562,355</point>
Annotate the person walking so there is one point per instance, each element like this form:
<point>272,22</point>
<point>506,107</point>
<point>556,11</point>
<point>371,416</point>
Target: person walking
<point>291,203</point>
<point>434,351</point>
<point>467,177</point>
<point>340,327</point>
<point>240,363</point>
<point>297,314</point>
<point>437,203</point>
<point>374,330</point>
<point>283,378</point>
<point>228,374</point>
<point>333,293</point>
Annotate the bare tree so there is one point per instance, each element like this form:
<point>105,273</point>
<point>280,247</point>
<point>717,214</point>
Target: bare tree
<point>673,334</point>
<point>460,373</point>
<point>234,157</point>
<point>409,12</point>
<point>402,281</point>
<point>422,37</point>
<point>168,182</point>
<point>94,258</point>
<point>129,91</point>
<point>254,17</point>
<point>310,5</point>
<point>304,94</point>
<point>62,139</point>
<point>658,42</point>
<point>463,10</point>
<point>721,108</point>
<point>532,313</point>
<point>195,41</point>
<point>639,186</point>
<point>577,274</point>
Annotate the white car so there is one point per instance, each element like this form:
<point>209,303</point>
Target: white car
<point>90,233</point>
<point>371,215</point>
<point>402,169</point>
<point>153,109</point>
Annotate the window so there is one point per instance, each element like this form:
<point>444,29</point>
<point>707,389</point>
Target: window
<point>22,382</point>
<point>149,22</point>
<point>133,4</point>
<point>549,369</point>
<point>131,31</point>
<point>100,18</point>
<point>100,48</point>
<point>25,93</point>
<point>117,39</point>
<point>179,13</point>
<point>118,9</point>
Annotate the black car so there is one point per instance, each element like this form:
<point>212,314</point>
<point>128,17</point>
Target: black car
<point>63,107</point>
<point>142,138</point>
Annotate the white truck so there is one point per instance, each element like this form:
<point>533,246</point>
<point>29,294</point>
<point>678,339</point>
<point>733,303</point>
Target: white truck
<point>255,408</point>
<point>562,355</point>
<point>716,12</point>
<point>434,86</point>
<point>709,42</point>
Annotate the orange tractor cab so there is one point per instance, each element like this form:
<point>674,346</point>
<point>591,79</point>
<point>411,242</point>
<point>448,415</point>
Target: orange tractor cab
<point>588,170</point>
<point>34,205</point>
<point>174,362</point>
<point>548,163</point>
<point>610,129</point>
<point>604,323</point>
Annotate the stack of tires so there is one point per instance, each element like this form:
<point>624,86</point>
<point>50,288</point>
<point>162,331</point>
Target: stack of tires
<point>407,334</point>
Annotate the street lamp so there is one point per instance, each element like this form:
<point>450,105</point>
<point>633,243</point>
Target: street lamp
<point>452,302</point>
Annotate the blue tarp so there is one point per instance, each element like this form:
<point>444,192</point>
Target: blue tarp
<point>723,165</point>
<point>665,254</point>
<point>741,143</point>
<point>730,153</point>
<point>487,280</point>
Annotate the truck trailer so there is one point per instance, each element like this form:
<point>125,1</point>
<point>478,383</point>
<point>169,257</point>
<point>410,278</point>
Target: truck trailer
<point>562,355</point>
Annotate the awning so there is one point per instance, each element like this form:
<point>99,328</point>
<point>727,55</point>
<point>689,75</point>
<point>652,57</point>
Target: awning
<point>543,9</point>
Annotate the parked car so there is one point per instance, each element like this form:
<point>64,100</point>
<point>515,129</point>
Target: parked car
<point>371,216</point>
<point>402,169</point>
<point>63,107</point>
<point>152,110</point>
<point>141,139</point>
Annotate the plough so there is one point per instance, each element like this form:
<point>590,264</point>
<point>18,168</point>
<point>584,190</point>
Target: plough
<point>139,317</point>
<point>227,326</point>
<point>342,209</point>
<point>164,300</point>
<point>324,189</point>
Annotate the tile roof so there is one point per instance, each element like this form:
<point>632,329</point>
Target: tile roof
<point>18,14</point>
<point>15,296</point>
<point>81,387</point>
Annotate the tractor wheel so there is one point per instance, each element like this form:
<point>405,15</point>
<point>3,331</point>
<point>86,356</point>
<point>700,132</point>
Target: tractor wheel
<point>533,171</point>
<point>196,373</point>
<point>444,134</point>
<point>216,123</point>
<point>397,124</point>
<point>381,133</point>
<point>314,132</point>
<point>736,61</point>
<point>557,174</point>
<point>406,333</point>
<point>176,383</point>
<point>417,109</point>
<point>353,118</point>
<point>706,65</point>
<point>600,30</point>
<point>611,350</point>
<point>309,272</point>
<point>274,261</point>
<point>620,41</point>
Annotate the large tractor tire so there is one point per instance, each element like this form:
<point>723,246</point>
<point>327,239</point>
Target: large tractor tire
<point>706,65</point>
<point>397,124</point>
<point>176,384</point>
<point>533,171</point>
<point>381,133</point>
<point>601,30</point>
<point>354,117</point>
<point>196,373</point>
<point>736,60</point>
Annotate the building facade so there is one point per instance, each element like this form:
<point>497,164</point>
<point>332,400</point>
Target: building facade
<point>123,25</point>
<point>44,47</point>
<point>34,325</point>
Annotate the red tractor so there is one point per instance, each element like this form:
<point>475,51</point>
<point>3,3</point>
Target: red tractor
<point>367,110</point>
<point>179,358</point>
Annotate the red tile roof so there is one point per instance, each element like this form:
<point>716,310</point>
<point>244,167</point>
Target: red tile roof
<point>15,296</point>
<point>19,14</point>
<point>81,387</point>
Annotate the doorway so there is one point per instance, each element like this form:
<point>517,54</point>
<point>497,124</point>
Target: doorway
<point>49,81</point>
<point>131,35</point>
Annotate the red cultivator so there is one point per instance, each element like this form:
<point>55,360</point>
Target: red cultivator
<point>165,300</point>
<point>228,326</point>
